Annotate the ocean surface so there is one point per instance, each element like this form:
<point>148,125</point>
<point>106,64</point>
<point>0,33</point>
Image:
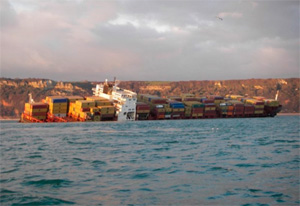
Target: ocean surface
<point>250,161</point>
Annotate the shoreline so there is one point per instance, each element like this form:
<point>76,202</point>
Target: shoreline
<point>279,114</point>
<point>288,114</point>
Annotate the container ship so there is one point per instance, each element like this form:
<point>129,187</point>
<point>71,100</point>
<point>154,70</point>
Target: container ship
<point>112,103</point>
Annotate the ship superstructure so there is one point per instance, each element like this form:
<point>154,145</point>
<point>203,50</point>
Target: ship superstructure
<point>124,100</point>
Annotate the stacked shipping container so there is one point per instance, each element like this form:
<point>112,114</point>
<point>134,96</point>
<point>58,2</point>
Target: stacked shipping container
<point>152,107</point>
<point>58,105</point>
<point>157,110</point>
<point>258,105</point>
<point>36,110</point>
<point>142,111</point>
<point>177,109</point>
<point>194,109</point>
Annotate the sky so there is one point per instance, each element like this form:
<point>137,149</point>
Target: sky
<point>157,40</point>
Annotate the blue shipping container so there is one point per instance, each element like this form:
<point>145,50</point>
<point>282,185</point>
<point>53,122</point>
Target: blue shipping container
<point>61,100</point>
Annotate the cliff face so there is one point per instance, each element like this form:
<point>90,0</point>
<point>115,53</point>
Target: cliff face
<point>14,92</point>
<point>288,94</point>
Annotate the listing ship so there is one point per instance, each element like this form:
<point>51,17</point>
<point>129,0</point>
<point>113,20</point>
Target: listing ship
<point>112,103</point>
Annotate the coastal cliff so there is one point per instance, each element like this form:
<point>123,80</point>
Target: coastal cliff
<point>14,92</point>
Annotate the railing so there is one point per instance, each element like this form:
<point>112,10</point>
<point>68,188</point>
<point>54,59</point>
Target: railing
<point>30,118</point>
<point>53,118</point>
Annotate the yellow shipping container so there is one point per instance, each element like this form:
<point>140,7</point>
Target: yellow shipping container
<point>167,106</point>
<point>85,115</point>
<point>160,109</point>
<point>168,109</point>
<point>64,104</point>
<point>96,118</point>
<point>58,108</point>
<point>73,99</point>
<point>75,114</point>
<point>142,111</point>
<point>94,109</point>
<point>107,109</point>
<point>234,96</point>
<point>178,110</point>
<point>188,109</point>
<point>58,111</point>
<point>107,112</point>
<point>271,102</point>
<point>85,103</point>
<point>210,108</point>
<point>102,103</point>
<point>71,108</point>
<point>258,111</point>
<point>259,106</point>
<point>217,102</point>
<point>27,106</point>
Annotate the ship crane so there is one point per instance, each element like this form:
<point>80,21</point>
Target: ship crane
<point>278,88</point>
<point>30,98</point>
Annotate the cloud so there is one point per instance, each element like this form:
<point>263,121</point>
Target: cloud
<point>149,40</point>
<point>230,14</point>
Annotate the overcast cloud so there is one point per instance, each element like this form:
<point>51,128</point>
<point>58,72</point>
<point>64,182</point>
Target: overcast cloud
<point>149,40</point>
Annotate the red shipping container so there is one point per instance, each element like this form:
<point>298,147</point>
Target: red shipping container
<point>197,110</point>
<point>189,99</point>
<point>85,109</point>
<point>230,108</point>
<point>239,112</point>
<point>38,105</point>
<point>208,101</point>
<point>35,113</point>
<point>159,101</point>
<point>215,97</point>
<point>210,112</point>
<point>142,106</point>
<point>229,113</point>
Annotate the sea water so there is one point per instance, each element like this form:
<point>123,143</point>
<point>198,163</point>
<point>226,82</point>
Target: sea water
<point>248,161</point>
